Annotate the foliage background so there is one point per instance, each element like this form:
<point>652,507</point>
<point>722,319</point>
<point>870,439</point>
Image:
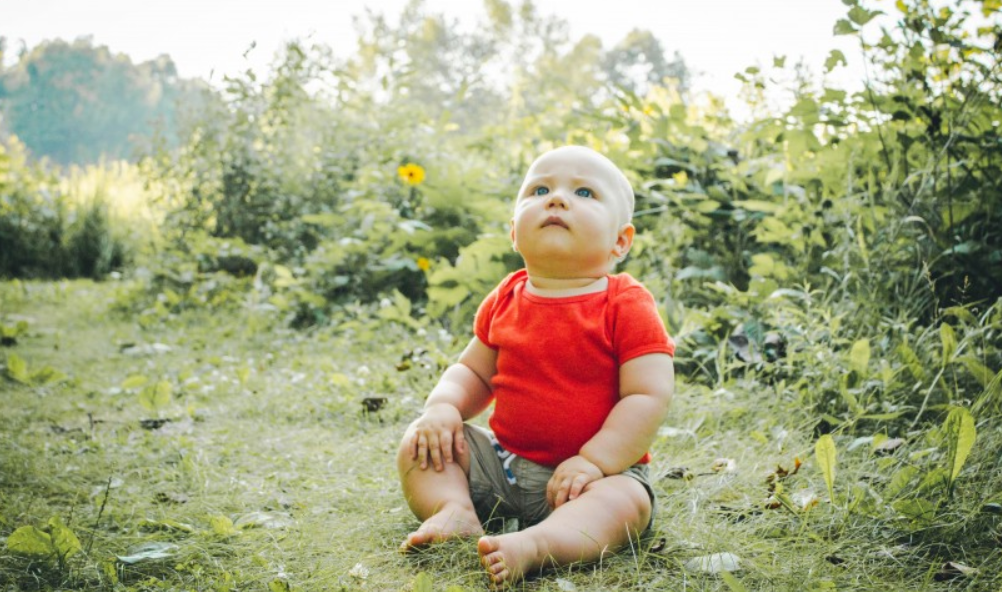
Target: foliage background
<point>837,261</point>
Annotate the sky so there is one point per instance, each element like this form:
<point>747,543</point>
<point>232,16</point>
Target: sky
<point>210,38</point>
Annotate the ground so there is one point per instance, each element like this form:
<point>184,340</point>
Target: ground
<point>266,461</point>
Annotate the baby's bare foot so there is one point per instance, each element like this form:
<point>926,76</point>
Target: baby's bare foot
<point>448,523</point>
<point>508,557</point>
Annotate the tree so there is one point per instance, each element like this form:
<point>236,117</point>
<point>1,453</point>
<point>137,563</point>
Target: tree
<point>76,102</point>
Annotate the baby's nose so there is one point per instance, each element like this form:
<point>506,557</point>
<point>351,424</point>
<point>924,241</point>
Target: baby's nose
<point>556,200</point>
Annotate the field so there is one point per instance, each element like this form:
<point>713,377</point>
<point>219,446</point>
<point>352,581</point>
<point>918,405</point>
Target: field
<point>225,452</point>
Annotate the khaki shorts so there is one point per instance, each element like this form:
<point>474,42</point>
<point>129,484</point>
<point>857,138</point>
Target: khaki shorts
<point>505,486</point>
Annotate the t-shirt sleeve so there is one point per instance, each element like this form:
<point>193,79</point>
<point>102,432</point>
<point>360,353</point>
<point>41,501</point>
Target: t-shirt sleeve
<point>638,329</point>
<point>482,322</point>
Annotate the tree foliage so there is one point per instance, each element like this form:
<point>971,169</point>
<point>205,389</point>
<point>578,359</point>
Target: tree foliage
<point>74,102</point>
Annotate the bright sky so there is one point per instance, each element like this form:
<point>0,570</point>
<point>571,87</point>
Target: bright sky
<point>210,37</point>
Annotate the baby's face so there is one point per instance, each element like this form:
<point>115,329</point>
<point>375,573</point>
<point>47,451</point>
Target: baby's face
<point>572,214</point>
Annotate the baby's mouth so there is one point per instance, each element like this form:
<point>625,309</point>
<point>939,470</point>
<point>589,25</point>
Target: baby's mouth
<point>555,221</point>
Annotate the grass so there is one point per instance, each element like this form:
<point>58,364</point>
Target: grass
<point>264,422</point>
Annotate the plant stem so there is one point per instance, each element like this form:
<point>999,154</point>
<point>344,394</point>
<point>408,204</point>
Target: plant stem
<point>100,512</point>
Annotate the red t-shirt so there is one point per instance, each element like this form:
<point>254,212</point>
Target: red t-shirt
<point>558,361</point>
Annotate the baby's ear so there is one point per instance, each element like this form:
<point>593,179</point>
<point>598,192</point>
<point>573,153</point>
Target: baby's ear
<point>624,240</point>
<point>514,245</point>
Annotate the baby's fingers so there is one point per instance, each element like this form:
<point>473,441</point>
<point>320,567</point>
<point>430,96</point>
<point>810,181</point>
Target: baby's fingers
<point>422,450</point>
<point>577,486</point>
<point>446,446</point>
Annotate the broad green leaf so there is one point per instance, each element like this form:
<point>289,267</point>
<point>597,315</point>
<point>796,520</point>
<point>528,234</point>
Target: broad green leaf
<point>824,452</point>
<point>990,7</point>
<point>28,540</point>
<point>992,392</point>
<point>900,480</point>
<point>980,372</point>
<point>17,369</point>
<point>222,526</point>
<point>835,57</point>
<point>155,396</point>
<point>47,375</point>
<point>844,27</point>
<point>64,540</point>
<point>959,428</point>
<point>279,585</point>
<point>919,510</point>
<point>134,381</point>
<point>861,16</point>
<point>911,361</point>
<point>859,357</point>
<point>423,583</point>
<point>949,341</point>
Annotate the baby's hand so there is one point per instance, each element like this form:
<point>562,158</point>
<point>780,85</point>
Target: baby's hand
<point>435,435</point>
<point>570,479</point>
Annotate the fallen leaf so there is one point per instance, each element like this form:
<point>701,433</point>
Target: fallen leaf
<point>952,570</point>
<point>724,465</point>
<point>264,520</point>
<point>715,563</point>
<point>889,446</point>
<point>170,498</point>
<point>149,552</point>
<point>678,473</point>
<point>566,585</point>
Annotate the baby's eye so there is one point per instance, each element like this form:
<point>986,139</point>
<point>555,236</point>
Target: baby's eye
<point>540,190</point>
<point>584,192</point>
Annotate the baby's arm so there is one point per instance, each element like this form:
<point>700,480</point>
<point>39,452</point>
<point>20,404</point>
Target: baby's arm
<point>462,392</point>
<point>646,385</point>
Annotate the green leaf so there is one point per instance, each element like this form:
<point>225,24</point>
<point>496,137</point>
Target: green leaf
<point>30,541</point>
<point>959,429</point>
<point>423,583</point>
<point>835,57</point>
<point>64,540</point>
<point>134,381</point>
<point>824,452</point>
<point>911,361</point>
<point>844,27</point>
<point>980,372</point>
<point>949,340</point>
<point>47,375</point>
<point>861,16</point>
<point>17,369</point>
<point>757,205</point>
<point>279,585</point>
<point>222,526</point>
<point>859,357</point>
<point>155,396</point>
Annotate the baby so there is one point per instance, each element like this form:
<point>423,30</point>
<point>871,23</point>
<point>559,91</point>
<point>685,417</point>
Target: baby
<point>579,367</point>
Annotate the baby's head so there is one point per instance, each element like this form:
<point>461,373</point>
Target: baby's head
<point>599,164</point>
<point>572,215</point>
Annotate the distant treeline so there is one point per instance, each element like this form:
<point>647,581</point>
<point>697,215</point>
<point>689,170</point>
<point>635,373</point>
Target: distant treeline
<point>75,102</point>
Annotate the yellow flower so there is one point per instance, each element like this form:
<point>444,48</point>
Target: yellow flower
<point>423,264</point>
<point>411,173</point>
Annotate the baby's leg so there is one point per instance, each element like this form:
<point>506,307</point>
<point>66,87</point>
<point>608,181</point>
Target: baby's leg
<point>604,518</point>
<point>441,499</point>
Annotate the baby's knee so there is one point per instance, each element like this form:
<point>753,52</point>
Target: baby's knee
<point>625,498</point>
